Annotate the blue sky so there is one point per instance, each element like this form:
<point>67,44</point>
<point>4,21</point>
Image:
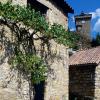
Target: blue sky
<point>87,6</point>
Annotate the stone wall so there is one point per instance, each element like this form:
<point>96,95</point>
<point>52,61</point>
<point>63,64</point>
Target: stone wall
<point>57,82</point>
<point>97,83</point>
<point>16,2</point>
<point>82,82</point>
<point>54,14</point>
<point>56,85</point>
<point>4,1</point>
<point>14,86</point>
<point>20,2</point>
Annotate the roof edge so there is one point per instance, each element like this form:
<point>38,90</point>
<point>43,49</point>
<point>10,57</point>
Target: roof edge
<point>85,64</point>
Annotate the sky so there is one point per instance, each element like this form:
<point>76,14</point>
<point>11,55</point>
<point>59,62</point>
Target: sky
<point>87,6</point>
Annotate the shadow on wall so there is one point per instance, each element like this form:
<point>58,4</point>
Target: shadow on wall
<point>38,6</point>
<point>7,47</point>
<point>81,82</point>
<point>39,91</point>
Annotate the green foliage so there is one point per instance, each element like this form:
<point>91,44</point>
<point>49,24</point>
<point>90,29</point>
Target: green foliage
<point>24,14</point>
<point>64,37</point>
<point>36,21</point>
<point>30,63</point>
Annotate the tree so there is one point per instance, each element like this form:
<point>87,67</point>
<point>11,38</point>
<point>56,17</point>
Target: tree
<point>23,19</point>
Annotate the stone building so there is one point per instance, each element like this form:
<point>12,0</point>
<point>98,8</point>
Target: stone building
<point>83,27</point>
<point>55,11</point>
<point>84,75</point>
<point>14,86</point>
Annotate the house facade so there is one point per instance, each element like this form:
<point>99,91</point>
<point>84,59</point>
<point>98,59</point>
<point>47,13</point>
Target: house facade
<point>56,85</point>
<point>84,75</point>
<point>55,11</point>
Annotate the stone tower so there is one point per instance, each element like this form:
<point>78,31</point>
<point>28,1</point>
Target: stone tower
<point>83,27</point>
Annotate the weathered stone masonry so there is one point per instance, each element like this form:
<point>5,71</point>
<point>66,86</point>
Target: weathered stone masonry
<point>54,13</point>
<point>57,82</point>
<point>14,86</point>
<point>82,82</point>
<point>56,87</point>
<point>84,75</point>
<point>97,83</point>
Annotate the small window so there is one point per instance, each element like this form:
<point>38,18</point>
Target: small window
<point>38,6</point>
<point>83,21</point>
<point>79,28</point>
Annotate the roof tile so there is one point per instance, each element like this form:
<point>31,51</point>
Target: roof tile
<point>83,57</point>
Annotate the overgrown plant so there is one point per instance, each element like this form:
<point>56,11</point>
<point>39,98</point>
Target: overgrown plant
<point>30,65</point>
<point>23,19</point>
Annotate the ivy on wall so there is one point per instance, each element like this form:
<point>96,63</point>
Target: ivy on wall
<point>23,19</point>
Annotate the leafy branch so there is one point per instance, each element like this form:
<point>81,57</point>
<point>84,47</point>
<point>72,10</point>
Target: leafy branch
<point>23,19</point>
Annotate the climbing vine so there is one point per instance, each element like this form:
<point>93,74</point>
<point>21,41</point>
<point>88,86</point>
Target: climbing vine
<point>23,19</point>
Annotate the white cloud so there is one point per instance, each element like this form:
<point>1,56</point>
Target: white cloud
<point>73,19</point>
<point>93,15</point>
<point>97,26</point>
<point>72,29</point>
<point>96,13</point>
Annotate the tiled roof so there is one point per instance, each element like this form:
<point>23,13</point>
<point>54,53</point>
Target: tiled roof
<point>84,57</point>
